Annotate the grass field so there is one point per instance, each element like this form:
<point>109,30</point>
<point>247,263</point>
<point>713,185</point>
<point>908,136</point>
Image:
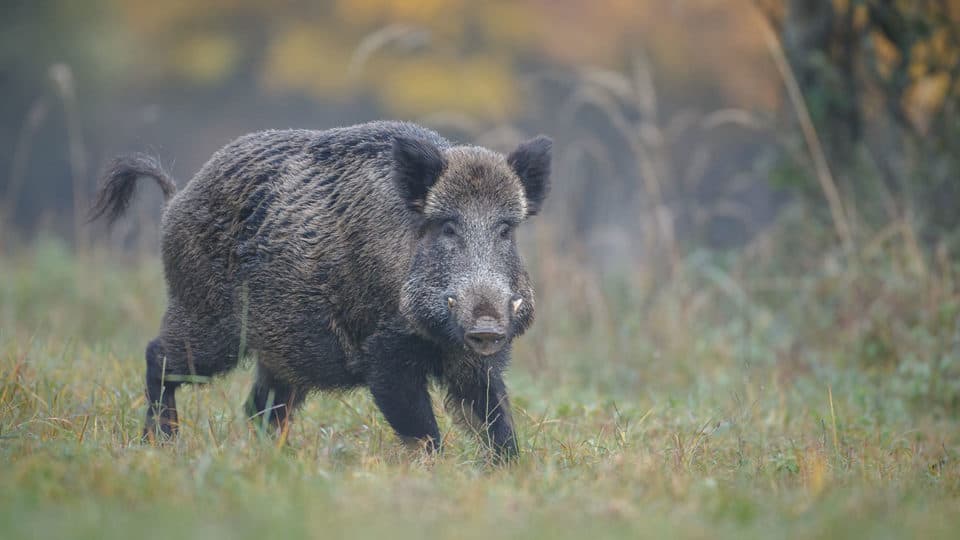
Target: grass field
<point>790,390</point>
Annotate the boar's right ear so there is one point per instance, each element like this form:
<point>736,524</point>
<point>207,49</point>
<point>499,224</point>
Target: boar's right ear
<point>531,162</point>
<point>417,165</point>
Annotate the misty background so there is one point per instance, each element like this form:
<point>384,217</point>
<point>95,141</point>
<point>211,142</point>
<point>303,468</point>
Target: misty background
<point>677,125</point>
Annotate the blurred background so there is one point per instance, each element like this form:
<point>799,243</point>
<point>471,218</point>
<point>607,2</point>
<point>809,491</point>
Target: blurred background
<point>752,245</point>
<point>678,125</point>
<point>747,274</point>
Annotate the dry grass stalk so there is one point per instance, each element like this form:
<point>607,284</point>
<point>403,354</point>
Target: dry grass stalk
<point>63,79</point>
<point>821,167</point>
<point>18,168</point>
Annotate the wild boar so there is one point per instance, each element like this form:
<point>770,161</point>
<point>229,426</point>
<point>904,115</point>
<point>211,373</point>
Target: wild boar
<point>379,255</point>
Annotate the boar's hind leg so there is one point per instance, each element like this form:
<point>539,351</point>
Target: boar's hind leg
<point>161,403</point>
<point>185,352</point>
<point>271,400</point>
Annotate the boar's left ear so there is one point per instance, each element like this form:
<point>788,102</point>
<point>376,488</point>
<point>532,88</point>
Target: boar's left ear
<point>417,165</point>
<point>531,162</point>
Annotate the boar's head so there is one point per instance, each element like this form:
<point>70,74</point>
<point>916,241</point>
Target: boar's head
<point>467,286</point>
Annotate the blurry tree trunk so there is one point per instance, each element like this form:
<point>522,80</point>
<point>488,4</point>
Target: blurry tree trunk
<point>821,45</point>
<point>881,79</point>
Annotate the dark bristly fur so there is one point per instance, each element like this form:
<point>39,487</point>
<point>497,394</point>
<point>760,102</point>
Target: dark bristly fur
<point>377,255</point>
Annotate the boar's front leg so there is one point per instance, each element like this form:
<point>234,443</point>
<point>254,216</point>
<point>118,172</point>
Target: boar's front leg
<point>398,366</point>
<point>479,400</point>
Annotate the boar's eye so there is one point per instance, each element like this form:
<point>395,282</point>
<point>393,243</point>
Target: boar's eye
<point>505,230</point>
<point>449,229</point>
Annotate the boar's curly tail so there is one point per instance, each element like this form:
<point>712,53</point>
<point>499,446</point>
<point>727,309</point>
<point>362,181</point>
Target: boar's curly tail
<point>120,182</point>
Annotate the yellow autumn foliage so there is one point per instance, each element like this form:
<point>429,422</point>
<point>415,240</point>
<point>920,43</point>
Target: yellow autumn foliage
<point>475,54</point>
<point>301,58</point>
<point>364,12</point>
<point>205,58</point>
<point>478,86</point>
<point>924,98</point>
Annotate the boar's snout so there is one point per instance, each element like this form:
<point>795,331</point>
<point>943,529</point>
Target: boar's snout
<point>483,314</point>
<point>486,337</point>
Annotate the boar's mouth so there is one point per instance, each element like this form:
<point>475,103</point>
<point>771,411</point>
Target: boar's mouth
<point>486,337</point>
